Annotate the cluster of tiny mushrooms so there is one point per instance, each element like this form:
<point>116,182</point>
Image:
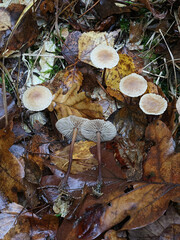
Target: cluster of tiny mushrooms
<point>74,128</point>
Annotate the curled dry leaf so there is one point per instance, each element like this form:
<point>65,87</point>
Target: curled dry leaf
<point>74,103</point>
<point>162,164</point>
<point>144,204</point>
<point>12,170</point>
<point>88,41</point>
<point>83,159</point>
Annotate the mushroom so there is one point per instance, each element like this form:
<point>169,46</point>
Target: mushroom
<point>70,127</point>
<point>133,85</point>
<point>98,131</point>
<point>104,56</point>
<point>152,104</point>
<point>37,98</point>
<point>178,105</point>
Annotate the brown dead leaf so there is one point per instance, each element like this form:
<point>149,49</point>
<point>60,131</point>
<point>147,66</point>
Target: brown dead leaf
<point>19,224</point>
<point>106,8</point>
<point>23,33</point>
<point>162,164</point>
<point>144,204</point>
<point>112,235</point>
<point>88,41</point>
<point>152,88</point>
<point>72,76</point>
<point>12,170</point>
<point>70,47</point>
<point>83,159</point>
<point>135,31</point>
<point>74,103</point>
<point>38,147</point>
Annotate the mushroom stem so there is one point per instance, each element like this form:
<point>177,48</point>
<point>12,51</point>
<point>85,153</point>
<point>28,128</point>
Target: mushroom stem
<point>98,134</point>
<point>64,181</point>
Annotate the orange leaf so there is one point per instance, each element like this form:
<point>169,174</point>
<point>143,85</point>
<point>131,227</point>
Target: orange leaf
<point>162,164</point>
<point>74,103</point>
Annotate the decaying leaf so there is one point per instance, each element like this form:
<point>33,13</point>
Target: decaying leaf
<point>74,103</point>
<point>5,20</point>
<point>88,41</point>
<point>70,47</point>
<point>162,164</point>
<point>72,76</point>
<point>83,159</point>
<point>17,223</point>
<point>130,123</point>
<point>23,32</point>
<point>144,204</point>
<point>12,170</point>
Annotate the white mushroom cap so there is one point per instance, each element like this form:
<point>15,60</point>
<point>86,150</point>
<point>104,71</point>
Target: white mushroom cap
<point>37,98</point>
<point>66,126</point>
<point>104,56</point>
<point>133,85</point>
<point>178,105</point>
<point>153,104</point>
<point>91,127</point>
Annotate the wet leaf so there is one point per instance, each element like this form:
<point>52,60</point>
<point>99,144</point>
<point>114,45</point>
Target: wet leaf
<point>88,41</point>
<point>17,223</point>
<point>130,123</point>
<point>106,8</point>
<point>12,170</point>
<point>139,207</point>
<point>23,32</point>
<point>74,103</point>
<point>156,229</point>
<point>83,159</point>
<point>72,76</point>
<point>70,47</point>
<point>162,164</point>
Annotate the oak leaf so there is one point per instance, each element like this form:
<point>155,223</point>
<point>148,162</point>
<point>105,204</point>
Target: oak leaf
<point>83,159</point>
<point>162,164</point>
<point>74,103</point>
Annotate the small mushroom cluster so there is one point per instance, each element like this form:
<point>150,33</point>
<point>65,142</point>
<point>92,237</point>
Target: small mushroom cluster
<point>134,85</point>
<point>77,128</point>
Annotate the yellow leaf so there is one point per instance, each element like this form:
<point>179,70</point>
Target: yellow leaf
<point>83,160</point>
<point>74,103</point>
<point>88,41</point>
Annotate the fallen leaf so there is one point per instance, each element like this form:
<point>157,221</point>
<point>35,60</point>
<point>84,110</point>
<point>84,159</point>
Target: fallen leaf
<point>88,41</point>
<point>162,164</point>
<point>106,8</point>
<point>135,32</point>
<point>144,204</point>
<point>112,235</point>
<point>130,123</point>
<point>12,170</point>
<point>156,229</point>
<point>83,159</point>
<point>70,47</point>
<point>5,19</point>
<point>23,32</point>
<point>72,76</point>
<point>152,88</point>
<point>105,24</point>
<point>17,223</point>
<point>74,103</point>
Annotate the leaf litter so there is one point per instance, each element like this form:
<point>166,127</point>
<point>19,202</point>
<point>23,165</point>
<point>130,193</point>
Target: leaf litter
<point>140,166</point>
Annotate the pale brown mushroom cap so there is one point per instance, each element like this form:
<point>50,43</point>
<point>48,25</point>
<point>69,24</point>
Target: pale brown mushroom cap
<point>37,98</point>
<point>153,104</point>
<point>133,85</point>
<point>91,127</point>
<point>104,56</point>
<point>178,105</point>
<point>66,126</point>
